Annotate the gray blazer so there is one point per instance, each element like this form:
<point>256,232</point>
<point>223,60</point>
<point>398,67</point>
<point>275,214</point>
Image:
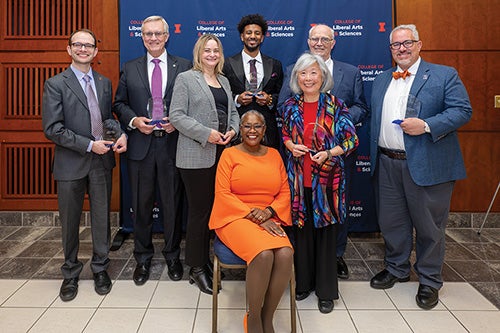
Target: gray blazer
<point>194,115</point>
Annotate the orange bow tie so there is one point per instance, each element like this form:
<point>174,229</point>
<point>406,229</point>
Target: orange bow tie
<point>398,75</point>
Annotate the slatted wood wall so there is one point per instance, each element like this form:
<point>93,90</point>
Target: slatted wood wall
<point>33,39</point>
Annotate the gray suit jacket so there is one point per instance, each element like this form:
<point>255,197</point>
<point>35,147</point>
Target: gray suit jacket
<point>66,122</point>
<point>194,115</point>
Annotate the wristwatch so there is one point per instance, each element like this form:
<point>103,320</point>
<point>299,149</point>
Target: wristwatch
<point>427,129</point>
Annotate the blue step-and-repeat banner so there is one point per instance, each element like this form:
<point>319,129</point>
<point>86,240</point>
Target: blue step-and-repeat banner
<point>361,27</point>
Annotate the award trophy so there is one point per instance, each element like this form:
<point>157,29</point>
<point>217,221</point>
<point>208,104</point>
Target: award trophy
<point>157,110</point>
<point>413,106</point>
<point>111,130</point>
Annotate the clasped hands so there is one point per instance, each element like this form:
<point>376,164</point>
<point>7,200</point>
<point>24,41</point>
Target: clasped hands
<point>262,217</point>
<point>246,97</point>
<point>218,138</point>
<point>142,124</point>
<point>299,150</point>
<point>101,147</point>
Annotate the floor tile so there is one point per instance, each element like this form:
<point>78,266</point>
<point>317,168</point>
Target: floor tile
<point>8,288</point>
<point>62,320</point>
<point>228,321</point>
<point>115,321</point>
<point>23,268</point>
<point>358,271</point>
<point>316,322</point>
<point>466,235</point>
<point>35,293</point>
<point>490,290</point>
<point>487,251</point>
<point>232,295</point>
<point>479,321</point>
<point>462,296</point>
<point>125,294</point>
<point>177,320</point>
<point>6,231</point>
<point>475,271</point>
<point>19,320</point>
<point>360,296</point>
<point>432,321</point>
<point>41,249</point>
<point>28,234</point>
<point>175,294</point>
<point>376,321</point>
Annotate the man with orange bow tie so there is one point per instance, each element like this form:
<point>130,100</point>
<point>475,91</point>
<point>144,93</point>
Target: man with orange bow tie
<point>417,108</point>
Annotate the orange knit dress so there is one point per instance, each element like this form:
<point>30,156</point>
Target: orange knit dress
<point>244,181</point>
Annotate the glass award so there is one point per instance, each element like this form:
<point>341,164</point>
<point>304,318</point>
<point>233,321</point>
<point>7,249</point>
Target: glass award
<point>111,130</point>
<point>157,110</point>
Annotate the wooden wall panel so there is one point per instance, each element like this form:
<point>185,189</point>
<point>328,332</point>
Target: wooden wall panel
<point>33,39</point>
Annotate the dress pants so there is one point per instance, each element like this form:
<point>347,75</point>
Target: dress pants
<point>200,191</point>
<point>315,256</point>
<point>403,206</point>
<point>156,173</point>
<point>71,196</point>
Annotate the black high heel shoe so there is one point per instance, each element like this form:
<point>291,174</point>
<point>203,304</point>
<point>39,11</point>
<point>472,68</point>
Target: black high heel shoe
<point>201,277</point>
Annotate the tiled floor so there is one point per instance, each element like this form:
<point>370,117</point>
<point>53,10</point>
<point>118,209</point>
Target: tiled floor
<point>30,258</point>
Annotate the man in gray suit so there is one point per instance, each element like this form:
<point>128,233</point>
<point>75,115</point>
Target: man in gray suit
<point>152,149</point>
<point>76,102</point>
<point>417,108</point>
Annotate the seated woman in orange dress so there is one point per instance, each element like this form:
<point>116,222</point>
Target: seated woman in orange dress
<point>252,202</point>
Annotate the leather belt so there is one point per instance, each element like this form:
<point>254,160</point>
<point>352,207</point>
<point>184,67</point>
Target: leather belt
<point>159,133</point>
<point>393,153</point>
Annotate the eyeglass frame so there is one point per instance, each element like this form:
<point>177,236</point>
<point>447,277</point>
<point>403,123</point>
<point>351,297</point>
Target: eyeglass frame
<point>256,127</point>
<point>156,34</point>
<point>324,40</point>
<point>411,42</point>
<point>78,45</point>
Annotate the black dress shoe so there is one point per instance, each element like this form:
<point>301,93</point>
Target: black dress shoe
<point>141,274</point>
<point>325,305</point>
<point>175,270</point>
<point>102,283</point>
<point>201,277</point>
<point>385,280</point>
<point>342,270</point>
<point>299,296</point>
<point>69,289</point>
<point>427,297</point>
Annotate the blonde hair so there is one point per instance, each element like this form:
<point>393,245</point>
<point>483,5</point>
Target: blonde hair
<point>198,50</point>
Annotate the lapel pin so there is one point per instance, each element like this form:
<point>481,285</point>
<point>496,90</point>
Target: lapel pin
<point>425,77</point>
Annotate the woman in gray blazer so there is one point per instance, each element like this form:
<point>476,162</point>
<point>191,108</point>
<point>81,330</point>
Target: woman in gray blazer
<point>204,113</point>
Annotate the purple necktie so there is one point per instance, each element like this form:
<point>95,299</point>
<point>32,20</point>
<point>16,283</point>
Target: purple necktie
<point>156,91</point>
<point>95,112</point>
<point>253,75</point>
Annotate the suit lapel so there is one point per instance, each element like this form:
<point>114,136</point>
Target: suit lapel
<point>236,63</point>
<point>142,72</point>
<point>73,84</point>
<point>172,72</point>
<point>99,86</point>
<point>421,78</point>
<point>338,75</point>
<point>267,63</point>
<point>204,87</point>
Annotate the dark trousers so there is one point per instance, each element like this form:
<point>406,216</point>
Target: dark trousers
<point>200,191</point>
<point>315,256</point>
<point>156,172</point>
<point>403,206</point>
<point>71,195</point>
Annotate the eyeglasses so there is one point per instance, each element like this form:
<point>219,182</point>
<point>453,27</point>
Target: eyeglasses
<point>407,44</point>
<point>256,127</point>
<point>324,40</point>
<point>157,34</point>
<point>88,46</point>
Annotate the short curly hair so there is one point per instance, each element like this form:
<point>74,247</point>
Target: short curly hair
<point>252,19</point>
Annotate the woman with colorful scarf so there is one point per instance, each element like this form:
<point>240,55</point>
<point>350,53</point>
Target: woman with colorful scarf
<point>318,133</point>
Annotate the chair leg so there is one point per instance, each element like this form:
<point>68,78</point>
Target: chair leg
<point>215,287</point>
<point>293,309</point>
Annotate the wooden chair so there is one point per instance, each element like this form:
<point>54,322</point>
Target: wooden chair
<point>225,258</point>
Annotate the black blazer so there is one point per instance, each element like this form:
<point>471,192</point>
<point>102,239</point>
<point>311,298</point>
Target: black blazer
<point>132,97</point>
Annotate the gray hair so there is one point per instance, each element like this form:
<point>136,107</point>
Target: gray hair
<point>317,25</point>
<point>155,18</point>
<point>410,27</point>
<point>255,113</point>
<point>306,60</point>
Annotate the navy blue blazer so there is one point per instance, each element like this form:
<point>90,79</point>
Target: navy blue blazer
<point>435,157</point>
<point>347,85</point>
